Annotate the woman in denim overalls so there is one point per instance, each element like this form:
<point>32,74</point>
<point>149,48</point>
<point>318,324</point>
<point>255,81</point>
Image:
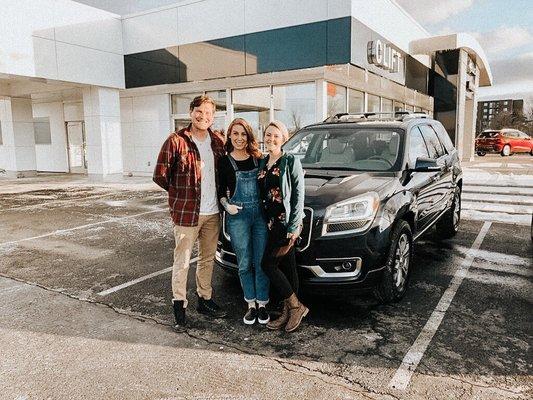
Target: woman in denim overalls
<point>245,223</point>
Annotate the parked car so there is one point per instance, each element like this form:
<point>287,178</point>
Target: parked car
<point>373,187</point>
<point>503,141</point>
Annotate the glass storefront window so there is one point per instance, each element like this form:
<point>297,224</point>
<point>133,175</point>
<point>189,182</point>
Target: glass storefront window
<point>220,98</point>
<point>418,109</point>
<point>409,108</point>
<point>180,102</point>
<point>398,106</point>
<point>254,106</point>
<point>373,103</point>
<point>336,99</point>
<point>386,105</point>
<point>295,105</point>
<point>356,101</point>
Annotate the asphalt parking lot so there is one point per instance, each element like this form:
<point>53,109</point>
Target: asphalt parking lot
<point>104,246</point>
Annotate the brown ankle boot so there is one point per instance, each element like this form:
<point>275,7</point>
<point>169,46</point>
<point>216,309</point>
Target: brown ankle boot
<point>280,322</point>
<point>297,311</point>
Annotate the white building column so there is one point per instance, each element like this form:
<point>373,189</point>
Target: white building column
<point>461,105</point>
<point>321,110</point>
<point>101,107</point>
<point>17,153</point>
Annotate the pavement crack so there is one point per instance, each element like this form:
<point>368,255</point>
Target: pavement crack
<point>475,384</point>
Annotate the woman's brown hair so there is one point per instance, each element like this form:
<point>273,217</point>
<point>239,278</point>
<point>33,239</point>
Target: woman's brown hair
<point>252,147</point>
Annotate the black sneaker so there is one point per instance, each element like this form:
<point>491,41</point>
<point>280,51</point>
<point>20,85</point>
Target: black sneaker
<point>179,312</point>
<point>262,315</point>
<point>210,308</point>
<point>250,316</point>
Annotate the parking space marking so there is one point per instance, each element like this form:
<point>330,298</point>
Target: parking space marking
<point>141,279</point>
<point>60,231</point>
<point>403,375</point>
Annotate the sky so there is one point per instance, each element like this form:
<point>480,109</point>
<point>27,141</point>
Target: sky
<point>504,28</point>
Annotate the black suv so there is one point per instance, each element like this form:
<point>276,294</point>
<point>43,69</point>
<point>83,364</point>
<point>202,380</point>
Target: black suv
<point>373,185</point>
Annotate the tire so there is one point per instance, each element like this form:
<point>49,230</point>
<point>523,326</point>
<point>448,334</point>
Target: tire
<point>448,225</point>
<point>397,271</point>
<point>506,151</point>
<point>481,153</point>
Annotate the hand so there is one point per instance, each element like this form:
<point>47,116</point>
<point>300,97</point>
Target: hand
<point>232,209</point>
<point>292,238</point>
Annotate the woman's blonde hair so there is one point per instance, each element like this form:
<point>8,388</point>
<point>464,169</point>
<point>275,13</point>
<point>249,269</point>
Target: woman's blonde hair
<point>281,127</point>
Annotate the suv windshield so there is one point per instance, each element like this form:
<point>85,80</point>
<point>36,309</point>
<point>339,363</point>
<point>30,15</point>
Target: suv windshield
<point>361,149</point>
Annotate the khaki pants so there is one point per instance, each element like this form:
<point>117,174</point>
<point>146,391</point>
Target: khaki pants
<point>207,234</point>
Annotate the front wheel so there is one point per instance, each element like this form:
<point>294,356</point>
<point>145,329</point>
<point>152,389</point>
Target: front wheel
<point>448,225</point>
<point>481,153</point>
<point>395,279</point>
<point>506,151</point>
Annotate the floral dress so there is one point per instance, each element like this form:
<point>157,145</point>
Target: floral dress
<point>269,186</point>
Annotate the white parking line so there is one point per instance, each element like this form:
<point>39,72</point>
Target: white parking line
<point>60,231</point>
<point>142,278</point>
<point>403,375</point>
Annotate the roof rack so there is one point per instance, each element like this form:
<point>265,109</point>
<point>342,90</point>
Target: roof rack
<point>387,116</point>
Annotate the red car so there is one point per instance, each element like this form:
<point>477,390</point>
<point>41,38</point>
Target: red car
<point>503,141</point>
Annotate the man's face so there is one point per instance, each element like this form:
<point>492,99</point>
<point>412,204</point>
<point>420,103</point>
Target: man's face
<point>202,116</point>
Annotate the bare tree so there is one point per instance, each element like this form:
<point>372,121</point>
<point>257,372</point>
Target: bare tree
<point>516,120</point>
<point>296,121</point>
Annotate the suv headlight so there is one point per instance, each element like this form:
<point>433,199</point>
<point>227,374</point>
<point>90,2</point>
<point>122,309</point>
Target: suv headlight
<point>352,215</point>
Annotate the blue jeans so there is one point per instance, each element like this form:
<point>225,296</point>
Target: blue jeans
<point>248,232</point>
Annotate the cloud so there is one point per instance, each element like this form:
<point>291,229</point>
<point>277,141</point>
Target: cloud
<point>503,38</point>
<point>509,70</point>
<point>439,10</point>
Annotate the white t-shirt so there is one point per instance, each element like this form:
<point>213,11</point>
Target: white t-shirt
<point>208,202</point>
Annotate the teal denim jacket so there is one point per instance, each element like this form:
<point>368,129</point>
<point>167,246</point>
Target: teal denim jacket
<point>292,189</point>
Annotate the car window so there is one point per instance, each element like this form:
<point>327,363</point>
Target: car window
<point>432,141</point>
<point>417,147</point>
<point>444,137</point>
<point>488,134</point>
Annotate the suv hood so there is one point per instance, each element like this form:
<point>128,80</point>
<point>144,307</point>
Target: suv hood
<point>324,187</point>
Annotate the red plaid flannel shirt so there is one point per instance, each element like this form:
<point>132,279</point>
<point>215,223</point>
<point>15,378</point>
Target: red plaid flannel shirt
<point>178,172</point>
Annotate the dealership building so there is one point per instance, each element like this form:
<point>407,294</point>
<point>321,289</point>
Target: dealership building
<point>83,90</point>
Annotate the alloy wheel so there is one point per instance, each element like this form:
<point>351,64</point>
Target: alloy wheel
<point>401,261</point>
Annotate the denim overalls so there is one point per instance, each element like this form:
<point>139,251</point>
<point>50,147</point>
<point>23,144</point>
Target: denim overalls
<point>248,232</point>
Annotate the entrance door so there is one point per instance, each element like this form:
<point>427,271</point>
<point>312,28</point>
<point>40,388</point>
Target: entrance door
<point>76,147</point>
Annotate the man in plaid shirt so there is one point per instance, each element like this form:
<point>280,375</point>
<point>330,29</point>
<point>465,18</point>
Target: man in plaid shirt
<point>186,170</point>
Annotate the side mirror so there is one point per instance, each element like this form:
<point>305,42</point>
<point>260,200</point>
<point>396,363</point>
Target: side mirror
<point>424,164</point>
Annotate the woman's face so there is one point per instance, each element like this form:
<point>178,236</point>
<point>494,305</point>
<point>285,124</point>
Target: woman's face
<point>238,137</point>
<point>273,139</point>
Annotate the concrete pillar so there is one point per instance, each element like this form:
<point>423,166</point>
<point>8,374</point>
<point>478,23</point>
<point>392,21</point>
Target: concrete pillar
<point>461,103</point>
<point>101,107</point>
<point>321,100</point>
<point>17,153</point>
<point>470,128</point>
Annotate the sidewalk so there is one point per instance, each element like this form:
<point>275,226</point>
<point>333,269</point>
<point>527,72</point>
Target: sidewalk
<point>58,347</point>
<point>498,189</point>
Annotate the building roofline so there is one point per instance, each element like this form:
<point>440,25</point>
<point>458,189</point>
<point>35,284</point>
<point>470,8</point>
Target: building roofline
<point>454,41</point>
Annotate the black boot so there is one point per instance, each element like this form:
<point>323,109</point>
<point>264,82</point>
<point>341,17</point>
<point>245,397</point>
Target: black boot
<point>210,308</point>
<point>179,312</point>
